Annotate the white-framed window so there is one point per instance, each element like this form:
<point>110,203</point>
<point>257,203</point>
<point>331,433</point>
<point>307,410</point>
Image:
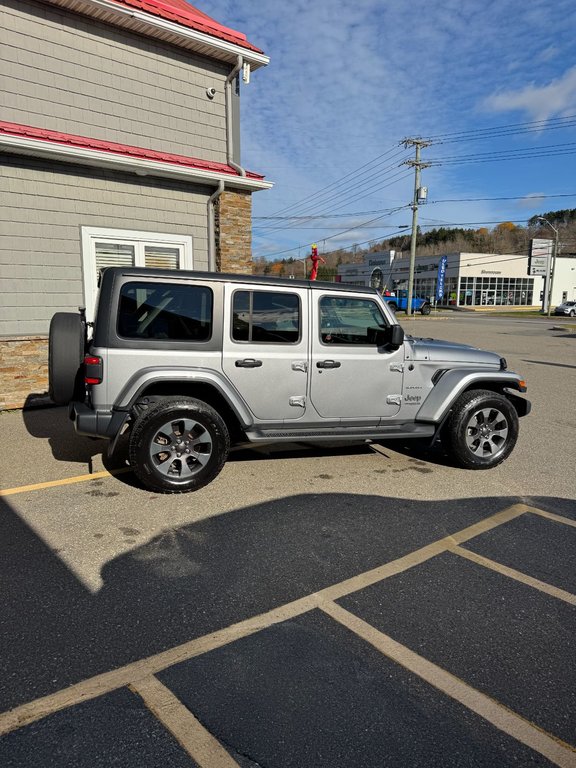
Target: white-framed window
<point>127,248</point>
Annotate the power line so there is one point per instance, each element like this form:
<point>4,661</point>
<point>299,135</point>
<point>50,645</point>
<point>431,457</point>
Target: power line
<point>429,202</point>
<point>366,191</point>
<point>344,248</point>
<point>533,125</point>
<point>339,181</point>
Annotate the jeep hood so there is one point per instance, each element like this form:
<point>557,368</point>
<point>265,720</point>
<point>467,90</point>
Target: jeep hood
<point>449,352</point>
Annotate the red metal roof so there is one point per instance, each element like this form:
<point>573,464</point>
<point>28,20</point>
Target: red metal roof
<point>82,142</point>
<point>181,12</point>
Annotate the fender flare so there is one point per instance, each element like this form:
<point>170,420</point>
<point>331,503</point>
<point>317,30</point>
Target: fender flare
<point>148,376</point>
<point>454,382</point>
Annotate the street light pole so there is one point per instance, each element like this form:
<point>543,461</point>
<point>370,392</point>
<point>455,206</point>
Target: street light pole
<point>550,277</point>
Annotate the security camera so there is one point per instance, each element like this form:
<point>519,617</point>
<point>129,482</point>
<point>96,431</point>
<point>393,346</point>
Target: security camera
<point>210,92</point>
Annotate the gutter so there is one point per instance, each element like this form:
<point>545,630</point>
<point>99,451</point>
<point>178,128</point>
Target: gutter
<point>101,159</point>
<point>228,91</point>
<point>211,226</point>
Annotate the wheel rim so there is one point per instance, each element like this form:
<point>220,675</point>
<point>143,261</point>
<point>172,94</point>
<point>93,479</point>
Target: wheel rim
<point>180,449</point>
<point>487,433</point>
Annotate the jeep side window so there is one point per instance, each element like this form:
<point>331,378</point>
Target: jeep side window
<point>349,321</point>
<point>266,317</point>
<point>159,311</point>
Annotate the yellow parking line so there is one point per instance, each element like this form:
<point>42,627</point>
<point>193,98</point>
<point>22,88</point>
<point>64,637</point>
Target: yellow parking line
<point>489,709</point>
<point>64,481</point>
<point>512,573</point>
<point>198,742</point>
<point>552,516</point>
<point>118,678</point>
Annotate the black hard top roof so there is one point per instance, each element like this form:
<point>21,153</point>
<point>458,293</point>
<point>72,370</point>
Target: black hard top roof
<point>228,277</point>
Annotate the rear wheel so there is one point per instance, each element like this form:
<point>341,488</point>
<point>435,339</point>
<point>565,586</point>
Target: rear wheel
<point>482,429</point>
<point>67,339</point>
<point>178,445</point>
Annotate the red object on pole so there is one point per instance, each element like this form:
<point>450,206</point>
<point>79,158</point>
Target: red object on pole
<point>315,258</point>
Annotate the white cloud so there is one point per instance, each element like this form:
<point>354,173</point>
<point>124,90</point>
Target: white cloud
<point>540,102</point>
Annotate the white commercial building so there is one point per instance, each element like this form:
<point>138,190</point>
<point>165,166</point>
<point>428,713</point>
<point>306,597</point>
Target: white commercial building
<point>471,279</point>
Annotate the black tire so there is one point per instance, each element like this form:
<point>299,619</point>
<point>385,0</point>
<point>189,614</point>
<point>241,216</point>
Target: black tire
<point>425,309</point>
<point>66,343</point>
<point>393,307</point>
<point>482,429</point>
<point>178,445</point>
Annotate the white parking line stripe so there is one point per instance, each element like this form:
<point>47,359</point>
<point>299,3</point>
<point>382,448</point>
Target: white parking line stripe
<point>561,594</point>
<point>188,731</point>
<point>504,719</point>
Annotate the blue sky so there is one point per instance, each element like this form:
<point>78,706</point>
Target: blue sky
<point>349,80</point>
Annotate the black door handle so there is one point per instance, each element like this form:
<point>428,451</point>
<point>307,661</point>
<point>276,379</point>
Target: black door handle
<point>328,364</point>
<point>248,363</point>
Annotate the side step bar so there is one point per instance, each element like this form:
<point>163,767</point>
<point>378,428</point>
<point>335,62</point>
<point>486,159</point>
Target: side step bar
<point>409,430</point>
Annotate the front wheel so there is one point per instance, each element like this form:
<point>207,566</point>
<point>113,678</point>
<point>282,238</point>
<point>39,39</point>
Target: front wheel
<point>425,309</point>
<point>178,445</point>
<point>482,429</point>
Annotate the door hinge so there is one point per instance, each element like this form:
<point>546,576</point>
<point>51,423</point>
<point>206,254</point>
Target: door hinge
<point>397,367</point>
<point>394,399</point>
<point>300,365</point>
<point>298,401</point>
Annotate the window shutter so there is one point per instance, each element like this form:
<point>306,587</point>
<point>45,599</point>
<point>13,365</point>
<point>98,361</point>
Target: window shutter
<point>161,258</point>
<point>113,255</point>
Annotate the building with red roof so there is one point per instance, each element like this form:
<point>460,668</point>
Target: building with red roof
<point>119,144</point>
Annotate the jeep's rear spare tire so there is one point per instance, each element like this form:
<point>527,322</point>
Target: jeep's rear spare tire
<point>178,445</point>
<point>65,356</point>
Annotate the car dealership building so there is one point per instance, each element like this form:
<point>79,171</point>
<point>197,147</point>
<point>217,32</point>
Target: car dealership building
<point>470,280</point>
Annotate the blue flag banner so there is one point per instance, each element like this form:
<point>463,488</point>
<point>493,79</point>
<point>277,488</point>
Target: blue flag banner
<point>441,275</point>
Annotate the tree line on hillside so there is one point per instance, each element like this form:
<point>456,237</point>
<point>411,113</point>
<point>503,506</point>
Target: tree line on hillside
<point>506,237</point>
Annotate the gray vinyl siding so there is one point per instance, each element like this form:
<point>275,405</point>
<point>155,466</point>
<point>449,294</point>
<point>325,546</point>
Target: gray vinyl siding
<point>40,230</point>
<point>72,74</point>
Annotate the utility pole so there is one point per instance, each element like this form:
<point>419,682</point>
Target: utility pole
<point>417,165</point>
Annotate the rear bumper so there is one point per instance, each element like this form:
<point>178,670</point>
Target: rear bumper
<point>104,424</point>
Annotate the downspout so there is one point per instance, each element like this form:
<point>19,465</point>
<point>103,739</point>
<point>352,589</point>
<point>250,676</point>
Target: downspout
<point>211,227</point>
<point>228,91</point>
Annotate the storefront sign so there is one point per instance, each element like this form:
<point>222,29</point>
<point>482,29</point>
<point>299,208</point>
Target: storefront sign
<point>539,259</point>
<point>441,275</point>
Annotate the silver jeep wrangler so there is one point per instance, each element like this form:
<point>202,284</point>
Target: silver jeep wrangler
<point>191,361</point>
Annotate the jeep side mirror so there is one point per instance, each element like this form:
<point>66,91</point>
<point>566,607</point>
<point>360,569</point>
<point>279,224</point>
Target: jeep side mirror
<point>392,336</point>
<point>396,335</point>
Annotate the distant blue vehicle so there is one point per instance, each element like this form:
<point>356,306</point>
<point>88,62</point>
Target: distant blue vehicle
<point>400,301</point>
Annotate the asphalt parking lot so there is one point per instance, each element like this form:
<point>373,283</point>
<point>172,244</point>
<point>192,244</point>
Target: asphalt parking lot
<point>360,606</point>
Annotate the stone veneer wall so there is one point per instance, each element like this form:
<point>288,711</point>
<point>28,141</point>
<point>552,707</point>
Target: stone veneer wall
<point>23,370</point>
<point>233,220</point>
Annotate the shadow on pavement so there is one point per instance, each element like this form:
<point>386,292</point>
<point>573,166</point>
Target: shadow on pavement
<point>53,424</point>
<point>198,578</point>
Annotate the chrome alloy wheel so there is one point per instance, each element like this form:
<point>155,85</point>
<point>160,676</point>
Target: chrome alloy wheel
<point>180,448</point>
<point>487,432</point>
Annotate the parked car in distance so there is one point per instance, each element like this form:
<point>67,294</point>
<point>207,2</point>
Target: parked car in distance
<point>566,308</point>
<point>399,300</point>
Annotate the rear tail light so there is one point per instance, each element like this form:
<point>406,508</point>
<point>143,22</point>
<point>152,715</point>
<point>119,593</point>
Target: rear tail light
<point>92,369</point>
